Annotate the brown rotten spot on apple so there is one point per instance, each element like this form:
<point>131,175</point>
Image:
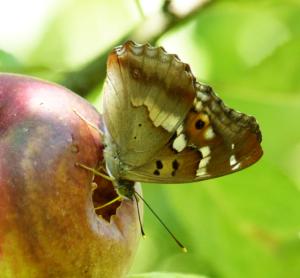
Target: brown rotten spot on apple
<point>48,223</point>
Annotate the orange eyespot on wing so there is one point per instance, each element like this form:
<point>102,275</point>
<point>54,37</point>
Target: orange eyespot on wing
<point>198,129</point>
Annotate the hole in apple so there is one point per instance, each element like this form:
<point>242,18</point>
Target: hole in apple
<point>103,194</point>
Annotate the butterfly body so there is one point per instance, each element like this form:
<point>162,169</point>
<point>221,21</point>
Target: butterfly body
<point>163,126</point>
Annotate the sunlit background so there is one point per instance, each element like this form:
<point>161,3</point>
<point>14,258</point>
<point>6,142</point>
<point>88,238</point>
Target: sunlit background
<point>242,225</point>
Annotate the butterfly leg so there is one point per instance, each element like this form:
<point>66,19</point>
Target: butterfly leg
<point>139,215</point>
<point>94,171</point>
<point>119,198</point>
<point>103,170</point>
<point>95,185</point>
<point>88,122</point>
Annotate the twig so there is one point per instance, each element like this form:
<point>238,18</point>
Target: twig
<point>151,29</point>
<point>140,8</point>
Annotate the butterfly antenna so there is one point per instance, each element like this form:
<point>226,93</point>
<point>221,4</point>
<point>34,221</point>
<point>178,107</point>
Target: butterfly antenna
<point>183,248</point>
<point>139,215</point>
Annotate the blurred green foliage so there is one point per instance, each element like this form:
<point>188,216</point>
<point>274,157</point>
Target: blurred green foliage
<point>165,275</point>
<point>242,225</point>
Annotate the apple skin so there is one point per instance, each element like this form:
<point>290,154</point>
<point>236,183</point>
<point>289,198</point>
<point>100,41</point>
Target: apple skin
<point>48,225</point>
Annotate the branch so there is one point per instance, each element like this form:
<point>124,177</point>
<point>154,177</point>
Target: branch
<point>151,29</point>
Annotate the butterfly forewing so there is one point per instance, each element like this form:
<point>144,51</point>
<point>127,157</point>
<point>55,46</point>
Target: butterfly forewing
<point>140,79</point>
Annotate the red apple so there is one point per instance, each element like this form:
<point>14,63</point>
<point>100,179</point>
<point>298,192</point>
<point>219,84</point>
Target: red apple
<point>48,223</point>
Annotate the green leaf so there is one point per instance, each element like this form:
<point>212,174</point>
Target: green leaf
<point>8,63</point>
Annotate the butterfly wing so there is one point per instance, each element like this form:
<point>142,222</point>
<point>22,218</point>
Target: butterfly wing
<point>213,140</point>
<point>166,127</point>
<point>147,94</point>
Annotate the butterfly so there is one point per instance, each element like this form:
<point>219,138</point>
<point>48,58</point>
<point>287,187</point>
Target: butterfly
<point>160,125</point>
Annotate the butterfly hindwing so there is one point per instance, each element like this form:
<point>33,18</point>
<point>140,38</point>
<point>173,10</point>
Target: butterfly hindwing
<point>168,166</point>
<point>213,140</point>
<point>233,138</point>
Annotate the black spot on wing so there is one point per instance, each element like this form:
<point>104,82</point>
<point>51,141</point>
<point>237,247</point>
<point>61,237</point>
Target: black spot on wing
<point>156,173</point>
<point>159,164</point>
<point>175,164</point>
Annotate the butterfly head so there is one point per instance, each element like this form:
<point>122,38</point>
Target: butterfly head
<point>125,188</point>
